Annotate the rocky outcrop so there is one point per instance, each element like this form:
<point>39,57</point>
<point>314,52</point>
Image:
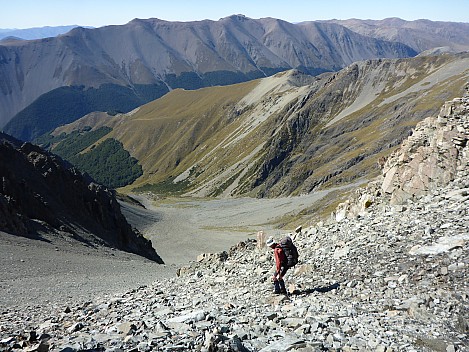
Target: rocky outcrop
<point>41,194</point>
<point>430,158</point>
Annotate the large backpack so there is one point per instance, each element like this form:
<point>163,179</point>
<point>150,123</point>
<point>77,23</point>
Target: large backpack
<point>290,250</point>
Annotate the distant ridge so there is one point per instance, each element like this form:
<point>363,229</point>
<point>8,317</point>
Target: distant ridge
<point>37,32</point>
<point>10,39</point>
<point>117,68</point>
<point>420,35</point>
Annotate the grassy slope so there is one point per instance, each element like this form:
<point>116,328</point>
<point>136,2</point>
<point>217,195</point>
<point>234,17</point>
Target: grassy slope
<point>170,134</point>
<point>198,130</point>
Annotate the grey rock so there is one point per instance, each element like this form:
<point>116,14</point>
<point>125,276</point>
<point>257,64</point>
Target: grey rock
<point>285,344</point>
<point>190,317</point>
<point>76,327</point>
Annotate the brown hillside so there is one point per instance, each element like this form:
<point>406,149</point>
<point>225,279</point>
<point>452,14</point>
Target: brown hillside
<point>288,134</point>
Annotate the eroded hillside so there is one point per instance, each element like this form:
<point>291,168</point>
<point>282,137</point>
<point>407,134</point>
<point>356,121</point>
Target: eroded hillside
<point>288,134</point>
<point>46,83</point>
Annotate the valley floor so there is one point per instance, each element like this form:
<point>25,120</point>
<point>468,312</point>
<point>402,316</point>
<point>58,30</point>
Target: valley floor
<point>57,272</point>
<point>182,228</point>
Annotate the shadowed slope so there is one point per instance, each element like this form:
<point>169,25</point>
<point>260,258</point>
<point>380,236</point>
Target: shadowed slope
<point>42,194</point>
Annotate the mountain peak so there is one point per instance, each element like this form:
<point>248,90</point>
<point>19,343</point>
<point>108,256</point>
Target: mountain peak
<point>236,17</point>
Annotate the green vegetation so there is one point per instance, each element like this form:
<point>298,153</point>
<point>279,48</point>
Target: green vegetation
<point>77,141</point>
<point>186,80</point>
<point>74,142</point>
<point>191,80</point>
<point>46,141</point>
<point>108,163</point>
<point>167,187</point>
<point>229,77</point>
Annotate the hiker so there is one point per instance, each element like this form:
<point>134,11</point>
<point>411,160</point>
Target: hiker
<point>280,266</point>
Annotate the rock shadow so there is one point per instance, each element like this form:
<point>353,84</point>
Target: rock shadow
<point>324,289</point>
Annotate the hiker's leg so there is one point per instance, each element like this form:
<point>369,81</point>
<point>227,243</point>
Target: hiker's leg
<point>282,286</point>
<point>277,288</point>
<point>276,283</point>
<point>281,282</point>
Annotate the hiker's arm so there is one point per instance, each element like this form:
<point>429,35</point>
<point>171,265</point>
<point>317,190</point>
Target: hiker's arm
<point>278,260</point>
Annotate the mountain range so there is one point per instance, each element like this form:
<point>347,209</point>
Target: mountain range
<point>52,81</point>
<point>117,68</point>
<point>321,101</point>
<point>288,134</point>
<point>420,35</point>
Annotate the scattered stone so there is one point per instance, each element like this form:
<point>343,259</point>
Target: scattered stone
<point>190,317</point>
<point>443,244</point>
<point>75,327</point>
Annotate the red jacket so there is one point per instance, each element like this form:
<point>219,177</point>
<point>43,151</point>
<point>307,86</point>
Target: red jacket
<point>280,257</point>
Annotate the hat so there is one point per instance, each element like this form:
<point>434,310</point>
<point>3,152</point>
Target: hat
<point>270,241</point>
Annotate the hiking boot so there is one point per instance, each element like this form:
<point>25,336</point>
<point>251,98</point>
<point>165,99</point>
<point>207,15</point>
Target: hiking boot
<point>281,285</point>
<point>277,289</point>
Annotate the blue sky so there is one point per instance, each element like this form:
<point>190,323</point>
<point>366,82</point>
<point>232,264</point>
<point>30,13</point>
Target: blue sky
<point>96,13</point>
